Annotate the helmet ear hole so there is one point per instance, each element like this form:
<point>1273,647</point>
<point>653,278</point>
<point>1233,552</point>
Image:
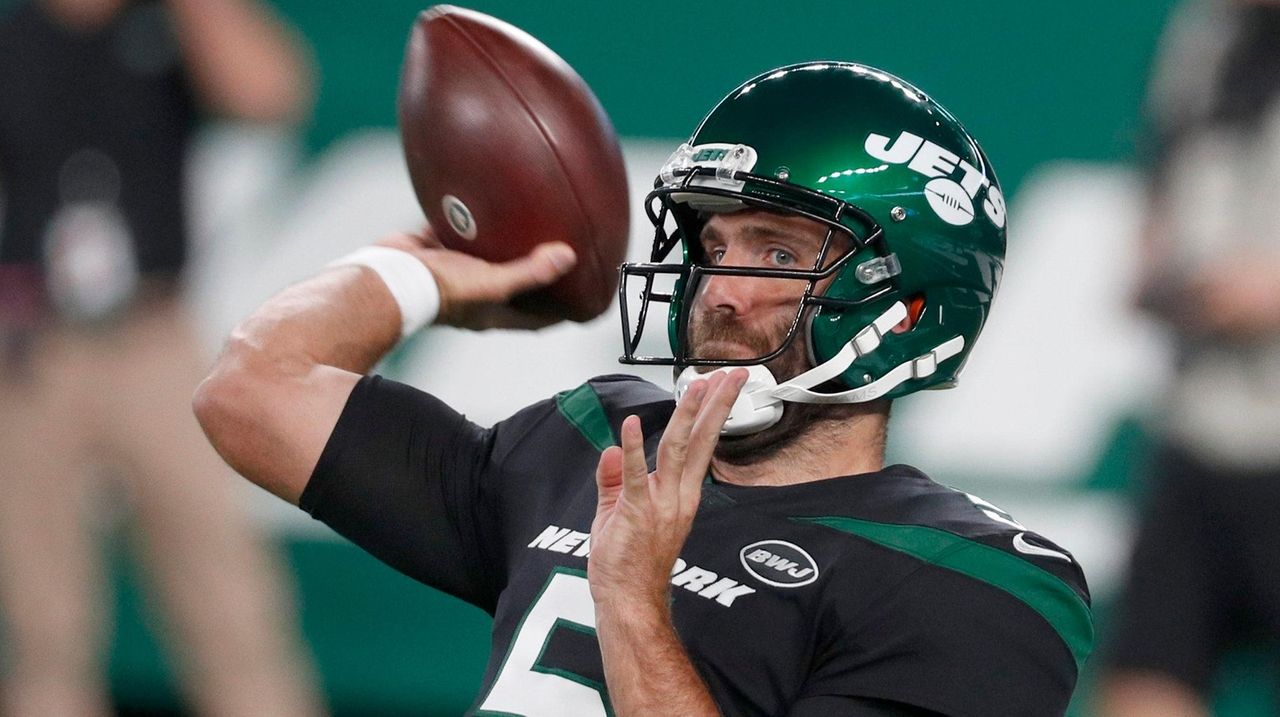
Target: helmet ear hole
<point>915,309</point>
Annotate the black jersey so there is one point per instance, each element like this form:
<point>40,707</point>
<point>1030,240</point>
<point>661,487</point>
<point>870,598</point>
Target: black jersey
<point>882,588</point>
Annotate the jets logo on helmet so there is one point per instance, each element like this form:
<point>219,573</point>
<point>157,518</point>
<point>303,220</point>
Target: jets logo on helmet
<point>950,199</point>
<point>914,215</point>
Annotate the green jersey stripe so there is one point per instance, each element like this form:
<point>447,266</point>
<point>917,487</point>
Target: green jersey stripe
<point>581,407</point>
<point>1041,590</point>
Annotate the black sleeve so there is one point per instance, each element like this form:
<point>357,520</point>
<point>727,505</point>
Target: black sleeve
<point>829,706</point>
<point>402,476</point>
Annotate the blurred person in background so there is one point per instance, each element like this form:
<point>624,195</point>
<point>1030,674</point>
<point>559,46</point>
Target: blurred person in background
<point>1205,573</point>
<point>99,100</point>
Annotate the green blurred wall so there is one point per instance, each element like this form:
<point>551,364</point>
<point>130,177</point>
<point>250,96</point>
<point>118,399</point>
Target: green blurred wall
<point>1033,80</point>
<point>384,644</point>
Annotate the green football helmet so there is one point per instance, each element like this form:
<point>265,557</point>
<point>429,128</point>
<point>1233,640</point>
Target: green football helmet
<point>892,174</point>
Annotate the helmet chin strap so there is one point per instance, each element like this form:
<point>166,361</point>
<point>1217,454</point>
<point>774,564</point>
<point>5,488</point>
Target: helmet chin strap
<point>759,404</point>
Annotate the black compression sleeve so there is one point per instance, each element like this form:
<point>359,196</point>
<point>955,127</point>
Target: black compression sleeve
<point>402,477</point>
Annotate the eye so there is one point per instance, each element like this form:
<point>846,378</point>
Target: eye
<point>715,255</point>
<point>782,257</point>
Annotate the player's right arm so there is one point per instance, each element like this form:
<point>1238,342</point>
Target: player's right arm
<point>276,391</point>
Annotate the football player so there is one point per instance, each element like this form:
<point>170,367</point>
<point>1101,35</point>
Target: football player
<point>835,238</point>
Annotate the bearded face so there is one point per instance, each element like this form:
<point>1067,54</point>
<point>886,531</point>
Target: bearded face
<point>744,318</point>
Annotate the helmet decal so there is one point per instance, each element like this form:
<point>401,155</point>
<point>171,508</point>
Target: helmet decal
<point>949,202</point>
<point>727,160</point>
<point>952,201</point>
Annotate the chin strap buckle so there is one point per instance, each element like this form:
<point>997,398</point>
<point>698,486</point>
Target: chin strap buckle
<point>925,365</point>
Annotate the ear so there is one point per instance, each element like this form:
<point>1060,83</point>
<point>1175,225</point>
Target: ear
<point>915,308</point>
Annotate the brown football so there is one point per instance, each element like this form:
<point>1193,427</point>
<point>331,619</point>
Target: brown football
<point>508,148</point>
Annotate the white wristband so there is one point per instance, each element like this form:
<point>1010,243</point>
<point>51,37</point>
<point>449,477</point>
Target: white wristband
<point>409,280</point>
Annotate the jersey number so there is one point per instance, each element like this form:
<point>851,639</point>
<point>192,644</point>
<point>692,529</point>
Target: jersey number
<point>523,685</point>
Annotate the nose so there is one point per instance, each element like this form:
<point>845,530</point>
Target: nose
<point>729,294</point>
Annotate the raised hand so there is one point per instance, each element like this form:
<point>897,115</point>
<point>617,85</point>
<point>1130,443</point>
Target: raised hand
<point>643,518</point>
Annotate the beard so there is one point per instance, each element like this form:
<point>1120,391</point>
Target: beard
<point>712,329</point>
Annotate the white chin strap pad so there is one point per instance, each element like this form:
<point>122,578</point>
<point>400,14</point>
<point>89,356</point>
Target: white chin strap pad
<point>759,405</point>
<point>746,416</point>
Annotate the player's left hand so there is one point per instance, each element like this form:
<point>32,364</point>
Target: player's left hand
<point>643,518</point>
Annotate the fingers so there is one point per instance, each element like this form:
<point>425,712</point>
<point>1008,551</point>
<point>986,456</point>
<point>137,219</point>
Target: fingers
<point>675,440</point>
<point>673,450</point>
<point>674,489</point>
<point>609,477</point>
<point>474,293</point>
<point>541,267</point>
<point>712,414</point>
<point>705,433</point>
<point>635,470</point>
<point>691,437</point>
<point>505,317</point>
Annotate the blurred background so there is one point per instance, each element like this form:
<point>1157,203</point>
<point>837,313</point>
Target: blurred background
<point>1058,415</point>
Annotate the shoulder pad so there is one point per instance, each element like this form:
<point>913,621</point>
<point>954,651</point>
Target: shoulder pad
<point>598,407</point>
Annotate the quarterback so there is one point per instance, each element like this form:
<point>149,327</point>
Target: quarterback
<point>834,239</point>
